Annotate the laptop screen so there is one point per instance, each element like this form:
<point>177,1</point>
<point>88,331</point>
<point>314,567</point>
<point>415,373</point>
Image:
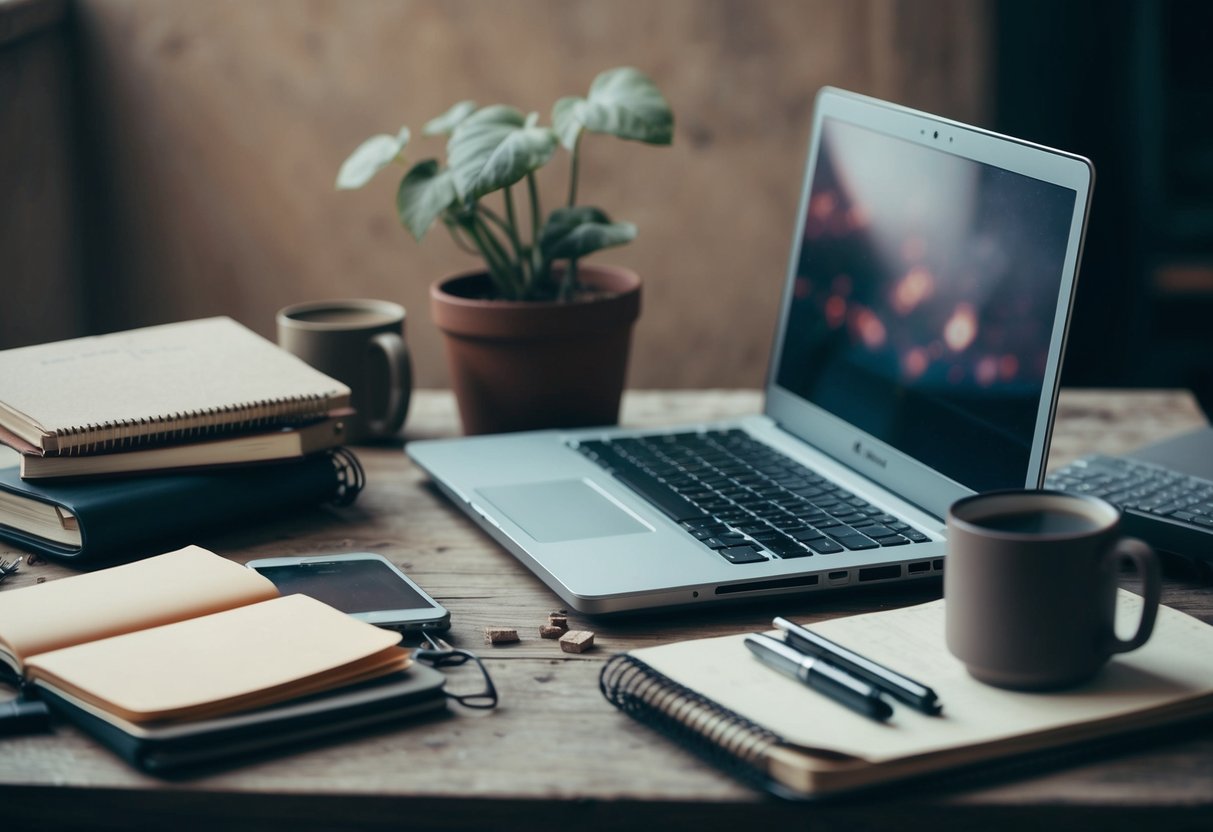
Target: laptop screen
<point>924,298</point>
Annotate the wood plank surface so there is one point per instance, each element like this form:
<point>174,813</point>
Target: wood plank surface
<point>556,753</point>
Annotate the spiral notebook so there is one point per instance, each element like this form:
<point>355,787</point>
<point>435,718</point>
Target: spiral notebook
<point>712,697</point>
<point>168,383</point>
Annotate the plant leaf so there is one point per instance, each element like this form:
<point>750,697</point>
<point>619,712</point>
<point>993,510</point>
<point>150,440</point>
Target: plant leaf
<point>622,102</point>
<point>493,148</point>
<point>572,233</point>
<point>567,119</point>
<point>372,156</point>
<point>445,124</point>
<point>424,193</point>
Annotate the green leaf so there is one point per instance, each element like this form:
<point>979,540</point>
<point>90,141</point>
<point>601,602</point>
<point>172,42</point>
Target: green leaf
<point>372,156</point>
<point>493,148</point>
<point>424,193</point>
<point>444,124</point>
<point>572,233</point>
<point>622,102</point>
<point>567,119</point>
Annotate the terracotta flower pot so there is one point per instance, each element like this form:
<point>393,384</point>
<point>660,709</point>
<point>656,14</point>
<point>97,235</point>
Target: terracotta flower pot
<point>519,365</point>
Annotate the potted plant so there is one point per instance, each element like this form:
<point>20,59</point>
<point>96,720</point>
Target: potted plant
<point>535,337</point>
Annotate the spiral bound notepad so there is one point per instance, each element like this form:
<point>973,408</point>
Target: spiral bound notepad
<point>169,383</point>
<point>712,697</point>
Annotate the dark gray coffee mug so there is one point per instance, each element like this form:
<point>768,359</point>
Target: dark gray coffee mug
<point>1030,587</point>
<point>361,343</point>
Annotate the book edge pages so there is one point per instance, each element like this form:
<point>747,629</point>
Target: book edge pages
<point>278,445</point>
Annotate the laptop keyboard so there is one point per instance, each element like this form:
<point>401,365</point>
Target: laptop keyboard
<point>745,500</point>
<point>1168,509</point>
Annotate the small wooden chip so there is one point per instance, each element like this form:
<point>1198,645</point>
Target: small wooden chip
<point>557,620</point>
<point>576,641</point>
<point>551,631</point>
<point>501,635</point>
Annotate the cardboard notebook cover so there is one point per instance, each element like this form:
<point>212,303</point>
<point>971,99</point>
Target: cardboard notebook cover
<point>99,520</point>
<point>712,696</point>
<point>159,384</point>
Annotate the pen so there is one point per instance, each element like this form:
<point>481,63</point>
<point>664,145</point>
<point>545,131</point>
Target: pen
<point>23,716</point>
<point>902,688</point>
<point>821,676</point>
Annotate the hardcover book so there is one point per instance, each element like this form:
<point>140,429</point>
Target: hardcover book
<point>95,520</point>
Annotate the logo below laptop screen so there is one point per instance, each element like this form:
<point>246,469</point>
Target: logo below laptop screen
<point>869,455</point>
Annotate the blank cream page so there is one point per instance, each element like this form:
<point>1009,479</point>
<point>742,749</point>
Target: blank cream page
<point>186,669</point>
<point>171,587</point>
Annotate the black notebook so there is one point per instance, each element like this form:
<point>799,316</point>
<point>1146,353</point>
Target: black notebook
<point>712,697</point>
<point>97,520</point>
<point>187,658</point>
<point>163,749</point>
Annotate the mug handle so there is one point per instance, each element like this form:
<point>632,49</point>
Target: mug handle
<point>1151,590</point>
<point>400,383</point>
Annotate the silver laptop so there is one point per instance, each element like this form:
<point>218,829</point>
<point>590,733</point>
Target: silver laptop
<point>916,361</point>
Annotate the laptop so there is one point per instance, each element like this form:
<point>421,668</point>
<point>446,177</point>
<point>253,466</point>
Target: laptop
<point>916,361</point>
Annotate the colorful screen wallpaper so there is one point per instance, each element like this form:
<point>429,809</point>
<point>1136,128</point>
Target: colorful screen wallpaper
<point>924,300</point>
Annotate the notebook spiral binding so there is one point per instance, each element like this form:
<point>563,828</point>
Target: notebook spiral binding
<point>718,735</point>
<point>103,437</point>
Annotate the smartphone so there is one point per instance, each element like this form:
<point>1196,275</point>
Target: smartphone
<point>365,585</point>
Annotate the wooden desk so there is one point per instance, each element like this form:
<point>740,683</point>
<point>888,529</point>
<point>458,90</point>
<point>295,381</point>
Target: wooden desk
<point>556,756</point>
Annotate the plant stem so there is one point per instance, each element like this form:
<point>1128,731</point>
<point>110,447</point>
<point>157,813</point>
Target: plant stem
<point>521,255</point>
<point>539,263</point>
<point>569,284</point>
<point>576,154</point>
<point>498,274</point>
<point>454,228</point>
<point>497,258</point>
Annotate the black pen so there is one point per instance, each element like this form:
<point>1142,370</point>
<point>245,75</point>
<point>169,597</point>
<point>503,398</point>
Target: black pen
<point>23,716</point>
<point>902,688</point>
<point>821,676</point>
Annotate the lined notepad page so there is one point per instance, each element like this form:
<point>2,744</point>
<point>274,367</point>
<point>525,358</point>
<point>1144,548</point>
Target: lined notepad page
<point>193,374</point>
<point>1171,668</point>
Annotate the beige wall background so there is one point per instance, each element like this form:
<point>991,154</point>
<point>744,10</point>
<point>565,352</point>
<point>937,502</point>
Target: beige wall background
<point>213,132</point>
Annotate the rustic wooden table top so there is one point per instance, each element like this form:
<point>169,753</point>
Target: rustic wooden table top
<point>556,755</point>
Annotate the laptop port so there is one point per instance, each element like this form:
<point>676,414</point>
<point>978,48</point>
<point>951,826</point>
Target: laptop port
<point>937,564</point>
<point>756,586</point>
<point>838,577</point>
<point>879,573</point>
<point>920,567</point>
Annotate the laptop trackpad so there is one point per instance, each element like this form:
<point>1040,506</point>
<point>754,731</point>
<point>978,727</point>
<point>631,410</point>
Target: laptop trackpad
<point>563,510</point>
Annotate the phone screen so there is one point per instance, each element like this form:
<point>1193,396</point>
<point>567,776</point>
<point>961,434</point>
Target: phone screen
<point>351,586</point>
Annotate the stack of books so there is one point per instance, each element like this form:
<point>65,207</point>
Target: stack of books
<point>186,659</point>
<point>128,440</point>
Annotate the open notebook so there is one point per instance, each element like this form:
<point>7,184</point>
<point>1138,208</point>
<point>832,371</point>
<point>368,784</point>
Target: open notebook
<point>713,697</point>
